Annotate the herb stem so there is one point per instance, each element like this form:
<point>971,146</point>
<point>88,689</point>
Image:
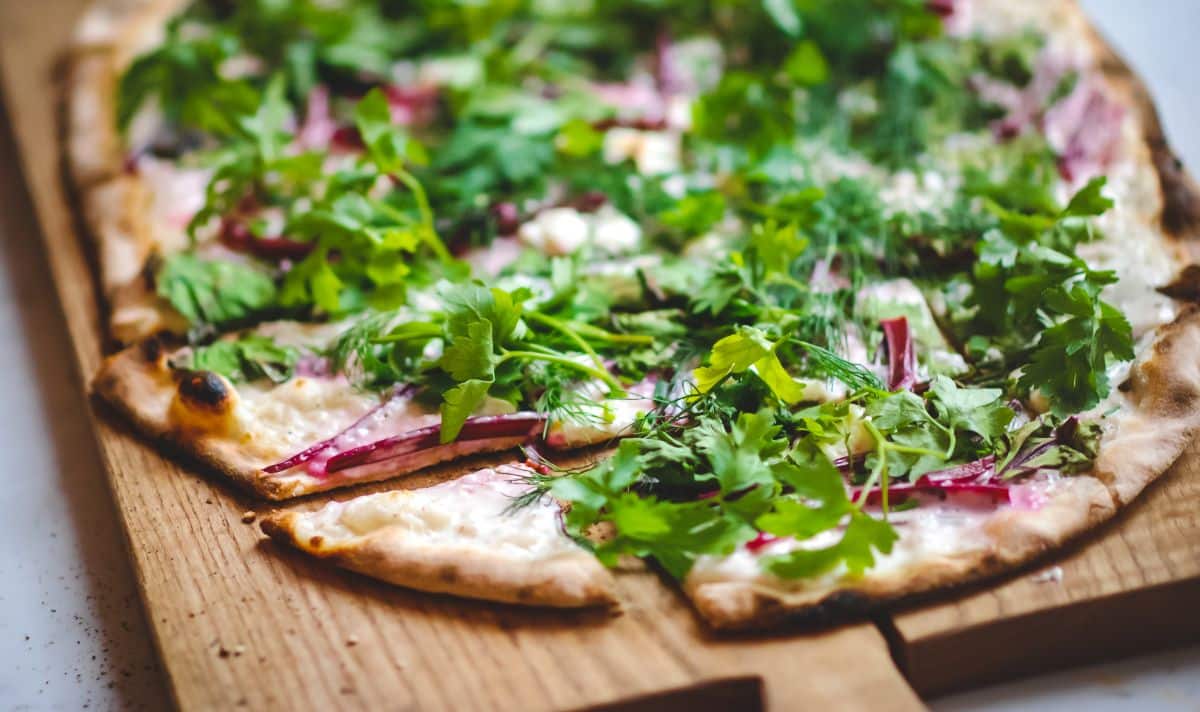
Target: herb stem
<point>596,332</point>
<point>880,471</point>
<point>597,373</point>
<point>568,332</point>
<point>430,233</point>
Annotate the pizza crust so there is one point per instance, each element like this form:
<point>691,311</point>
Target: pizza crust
<point>457,538</point>
<point>115,203</point>
<point>240,431</point>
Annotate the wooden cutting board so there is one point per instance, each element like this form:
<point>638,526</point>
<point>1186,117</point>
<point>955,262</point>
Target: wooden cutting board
<point>240,622</point>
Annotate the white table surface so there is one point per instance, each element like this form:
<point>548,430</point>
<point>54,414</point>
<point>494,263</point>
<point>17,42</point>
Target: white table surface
<point>72,630</point>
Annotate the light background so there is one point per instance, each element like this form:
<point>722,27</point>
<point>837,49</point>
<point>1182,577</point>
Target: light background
<point>72,633</point>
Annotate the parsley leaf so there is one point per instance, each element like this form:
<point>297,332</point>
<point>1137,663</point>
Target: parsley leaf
<point>214,293</point>
<point>247,358</point>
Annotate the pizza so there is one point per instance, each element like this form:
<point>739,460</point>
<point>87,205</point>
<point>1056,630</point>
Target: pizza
<point>841,302</point>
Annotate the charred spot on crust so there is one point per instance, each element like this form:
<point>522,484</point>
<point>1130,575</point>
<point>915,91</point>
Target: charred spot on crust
<point>205,389</point>
<point>316,541</point>
<point>448,574</point>
<point>1185,286</point>
<point>1181,201</point>
<point>152,349</point>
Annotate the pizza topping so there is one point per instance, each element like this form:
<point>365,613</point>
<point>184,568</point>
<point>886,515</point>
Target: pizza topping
<point>902,358</point>
<point>247,358</point>
<point>847,235</point>
<point>522,426</point>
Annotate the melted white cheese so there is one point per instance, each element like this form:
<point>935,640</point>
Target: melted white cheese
<point>564,231</point>
<point>601,418</point>
<point>653,152</point>
<point>176,194</point>
<point>931,530</point>
<point>472,511</point>
<point>276,422</point>
<point>556,232</point>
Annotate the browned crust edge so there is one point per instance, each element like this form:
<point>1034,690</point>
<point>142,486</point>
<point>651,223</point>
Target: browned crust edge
<point>566,582</point>
<point>1180,217</point>
<point>115,203</point>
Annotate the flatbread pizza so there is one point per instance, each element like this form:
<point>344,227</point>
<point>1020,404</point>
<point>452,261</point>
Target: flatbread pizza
<point>864,298</point>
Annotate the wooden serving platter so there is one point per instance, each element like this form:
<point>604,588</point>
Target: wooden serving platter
<point>240,622</point>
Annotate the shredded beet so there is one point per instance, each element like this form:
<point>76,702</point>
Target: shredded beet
<point>507,216</point>
<point>941,8</point>
<point>761,540</point>
<point>236,235</point>
<point>319,127</point>
<point>488,427</point>
<point>311,452</point>
<point>902,357</point>
<point>978,477</point>
<point>412,106</point>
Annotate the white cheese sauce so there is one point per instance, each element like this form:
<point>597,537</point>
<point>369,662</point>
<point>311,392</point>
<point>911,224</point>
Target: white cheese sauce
<point>472,511</point>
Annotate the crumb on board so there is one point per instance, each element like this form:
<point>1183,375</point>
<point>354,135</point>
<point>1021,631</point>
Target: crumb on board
<point>1053,574</point>
<point>249,516</point>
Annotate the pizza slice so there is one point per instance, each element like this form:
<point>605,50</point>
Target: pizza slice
<point>964,523</point>
<point>458,538</point>
<point>275,411</point>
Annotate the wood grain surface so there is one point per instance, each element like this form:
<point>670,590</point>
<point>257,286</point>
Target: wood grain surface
<point>239,621</point>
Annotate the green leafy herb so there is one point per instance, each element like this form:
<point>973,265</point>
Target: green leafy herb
<point>211,293</point>
<point>247,358</point>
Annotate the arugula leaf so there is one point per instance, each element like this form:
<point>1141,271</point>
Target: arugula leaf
<point>386,143</point>
<point>806,65</point>
<point>183,75</point>
<point>742,350</point>
<point>1089,200</point>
